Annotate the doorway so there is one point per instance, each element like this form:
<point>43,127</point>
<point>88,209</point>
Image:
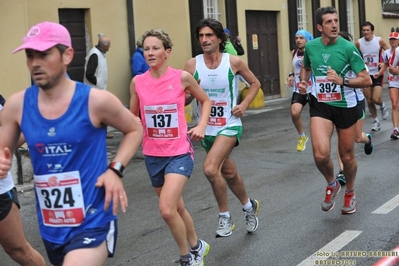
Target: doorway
<point>263,50</point>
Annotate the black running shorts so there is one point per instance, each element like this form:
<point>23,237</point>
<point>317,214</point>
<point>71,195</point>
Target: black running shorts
<point>6,201</point>
<point>299,98</point>
<point>341,117</point>
<point>377,81</point>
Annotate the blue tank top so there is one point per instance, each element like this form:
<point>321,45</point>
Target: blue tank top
<point>68,155</point>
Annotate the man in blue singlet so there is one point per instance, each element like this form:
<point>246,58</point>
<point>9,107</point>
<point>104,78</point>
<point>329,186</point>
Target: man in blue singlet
<point>64,123</point>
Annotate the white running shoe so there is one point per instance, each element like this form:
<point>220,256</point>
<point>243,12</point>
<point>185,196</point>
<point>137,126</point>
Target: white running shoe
<point>225,227</point>
<point>384,112</point>
<point>376,126</point>
<point>200,254</point>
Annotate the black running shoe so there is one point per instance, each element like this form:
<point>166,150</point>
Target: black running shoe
<point>341,178</point>
<point>368,147</point>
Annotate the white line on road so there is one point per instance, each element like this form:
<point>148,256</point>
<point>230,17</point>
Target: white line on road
<point>389,206</point>
<point>332,247</point>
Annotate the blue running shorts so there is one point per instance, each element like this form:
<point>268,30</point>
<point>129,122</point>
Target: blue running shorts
<point>89,238</point>
<point>158,167</point>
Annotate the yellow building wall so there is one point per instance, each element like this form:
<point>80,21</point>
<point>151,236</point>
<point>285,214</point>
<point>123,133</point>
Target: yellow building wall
<point>14,74</point>
<point>327,3</point>
<point>108,17</point>
<point>382,26</point>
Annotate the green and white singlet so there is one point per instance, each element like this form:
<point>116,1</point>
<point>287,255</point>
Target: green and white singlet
<point>344,58</point>
<point>221,85</point>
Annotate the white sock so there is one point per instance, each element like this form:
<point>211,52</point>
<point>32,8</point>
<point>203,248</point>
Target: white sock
<point>227,214</point>
<point>247,206</point>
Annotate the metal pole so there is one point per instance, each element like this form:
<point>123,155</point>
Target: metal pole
<point>130,27</point>
<point>19,167</point>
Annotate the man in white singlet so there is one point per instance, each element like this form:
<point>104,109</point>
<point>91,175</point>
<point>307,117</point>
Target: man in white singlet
<point>298,100</point>
<point>218,75</point>
<point>371,47</point>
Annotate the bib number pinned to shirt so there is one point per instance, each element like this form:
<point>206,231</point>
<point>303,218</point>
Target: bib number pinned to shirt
<point>162,121</point>
<point>217,116</point>
<point>60,198</point>
<point>327,91</point>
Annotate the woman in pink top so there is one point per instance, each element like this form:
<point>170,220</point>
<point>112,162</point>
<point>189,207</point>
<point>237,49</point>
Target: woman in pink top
<point>159,96</point>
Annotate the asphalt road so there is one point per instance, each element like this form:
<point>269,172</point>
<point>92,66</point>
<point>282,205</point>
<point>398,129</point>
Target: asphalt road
<point>293,230</point>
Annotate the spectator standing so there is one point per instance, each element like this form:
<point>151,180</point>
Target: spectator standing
<point>139,65</point>
<point>229,47</point>
<point>96,69</point>
<point>236,43</point>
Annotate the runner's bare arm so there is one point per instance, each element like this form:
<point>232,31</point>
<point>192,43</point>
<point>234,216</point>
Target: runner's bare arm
<point>383,44</point>
<point>304,77</point>
<point>191,85</point>
<point>10,130</point>
<point>134,104</point>
<point>190,68</point>
<point>107,110</point>
<point>290,79</point>
<point>383,67</point>
<point>357,44</point>
<point>240,67</point>
<point>362,80</point>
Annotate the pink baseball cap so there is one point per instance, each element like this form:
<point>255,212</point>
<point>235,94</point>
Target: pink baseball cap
<point>45,35</point>
<point>394,35</point>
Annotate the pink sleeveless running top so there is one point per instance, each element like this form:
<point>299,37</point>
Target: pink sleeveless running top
<point>162,114</point>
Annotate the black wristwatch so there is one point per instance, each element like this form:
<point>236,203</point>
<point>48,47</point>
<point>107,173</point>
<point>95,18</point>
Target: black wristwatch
<point>346,81</point>
<point>118,168</point>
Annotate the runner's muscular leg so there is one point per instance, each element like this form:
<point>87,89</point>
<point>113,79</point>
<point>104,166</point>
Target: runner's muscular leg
<point>346,145</point>
<point>296,109</point>
<point>321,131</point>
<point>234,180</point>
<point>368,94</point>
<point>12,239</point>
<point>394,95</point>
<point>377,91</point>
<point>169,197</point>
<point>361,137</point>
<point>192,237</point>
<point>87,256</point>
<point>214,160</point>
